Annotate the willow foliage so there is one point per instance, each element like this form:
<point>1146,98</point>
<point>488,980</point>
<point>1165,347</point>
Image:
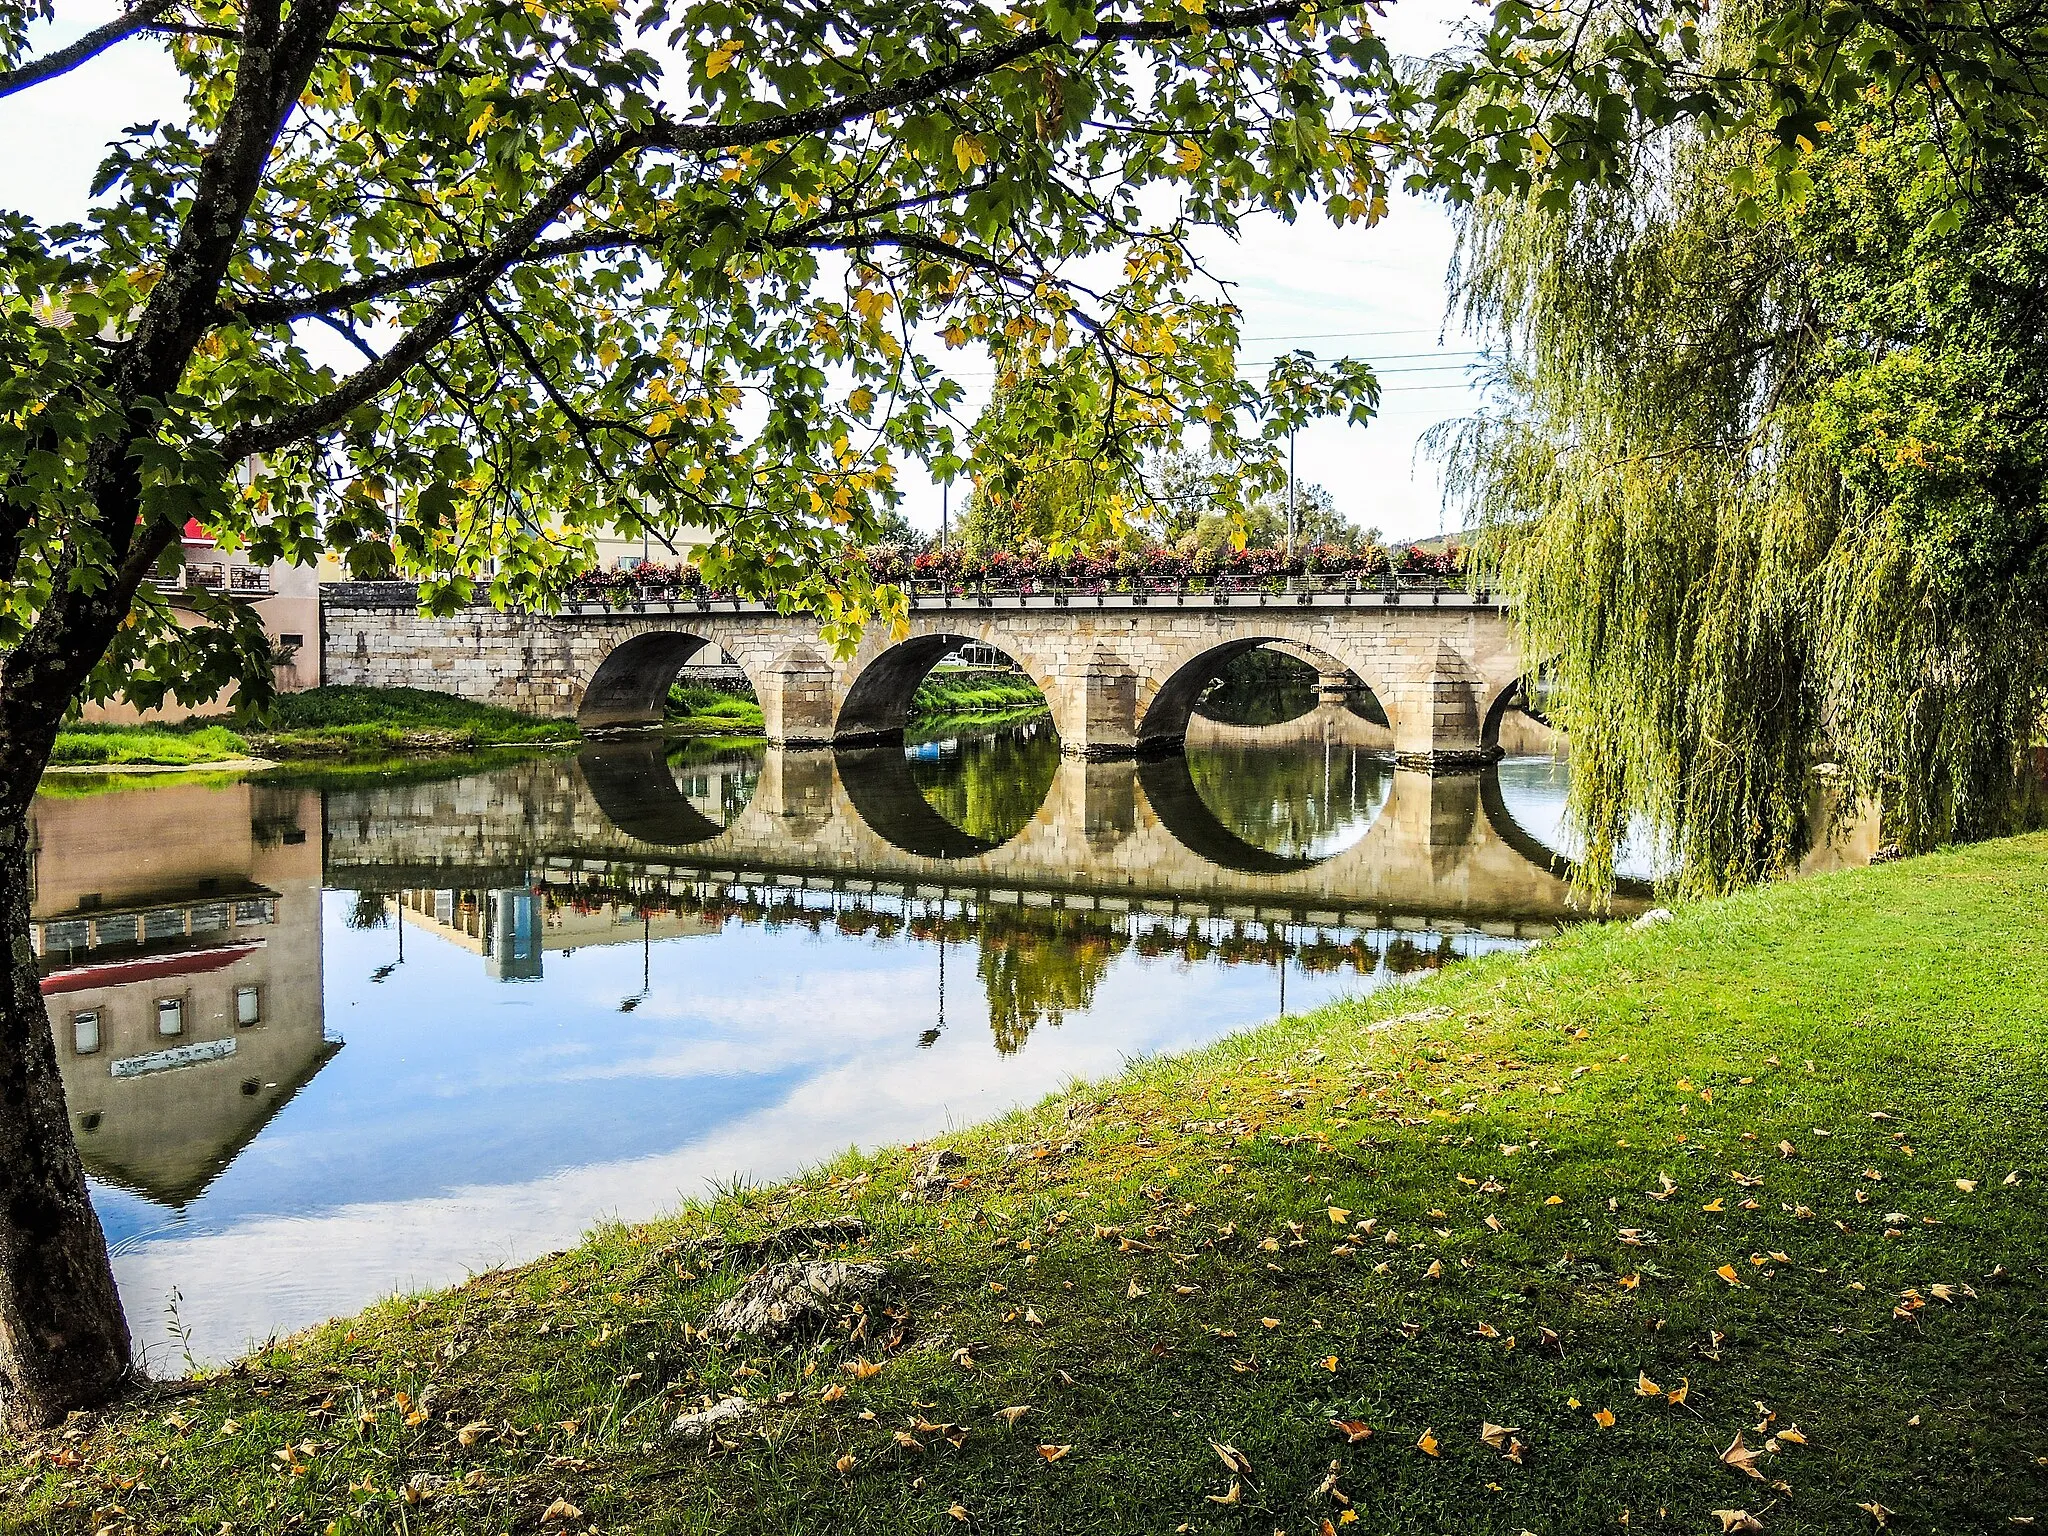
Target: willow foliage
<point>1768,480</point>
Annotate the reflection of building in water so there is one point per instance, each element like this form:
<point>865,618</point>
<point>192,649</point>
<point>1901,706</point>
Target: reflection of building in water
<point>511,929</point>
<point>179,934</point>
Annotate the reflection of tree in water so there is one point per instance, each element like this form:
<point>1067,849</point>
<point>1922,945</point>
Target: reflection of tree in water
<point>1298,801</point>
<point>991,785</point>
<point>1404,955</point>
<point>1036,967</point>
<point>371,909</point>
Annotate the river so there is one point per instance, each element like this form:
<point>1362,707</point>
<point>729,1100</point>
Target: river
<point>326,1038</point>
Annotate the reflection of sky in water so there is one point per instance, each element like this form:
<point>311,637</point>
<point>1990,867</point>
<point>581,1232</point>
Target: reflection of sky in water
<point>469,1121</point>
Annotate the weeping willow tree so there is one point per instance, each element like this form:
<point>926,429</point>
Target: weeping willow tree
<point>1765,470</point>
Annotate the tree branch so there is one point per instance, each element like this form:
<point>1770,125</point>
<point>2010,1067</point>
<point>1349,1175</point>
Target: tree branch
<point>96,42</point>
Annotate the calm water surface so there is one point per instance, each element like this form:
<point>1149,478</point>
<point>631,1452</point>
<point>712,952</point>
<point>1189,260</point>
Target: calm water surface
<point>325,1039</point>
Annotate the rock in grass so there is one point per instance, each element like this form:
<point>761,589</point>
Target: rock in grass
<point>786,1301</point>
<point>795,1238</point>
<point>703,1425</point>
<point>1656,917</point>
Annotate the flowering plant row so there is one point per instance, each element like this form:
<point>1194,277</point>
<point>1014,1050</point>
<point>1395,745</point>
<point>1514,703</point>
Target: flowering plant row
<point>1097,570</point>
<point>1156,567</point>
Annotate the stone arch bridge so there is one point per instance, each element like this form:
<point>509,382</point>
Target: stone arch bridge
<point>1121,671</point>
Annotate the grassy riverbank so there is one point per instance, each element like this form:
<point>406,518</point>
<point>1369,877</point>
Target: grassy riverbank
<point>146,745</point>
<point>319,724</point>
<point>1541,1244</point>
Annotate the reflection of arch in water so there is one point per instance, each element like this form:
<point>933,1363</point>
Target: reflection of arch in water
<point>636,792</point>
<point>1170,791</point>
<point>1166,716</point>
<point>878,704</point>
<point>885,795</point>
<point>630,686</point>
<point>1536,851</point>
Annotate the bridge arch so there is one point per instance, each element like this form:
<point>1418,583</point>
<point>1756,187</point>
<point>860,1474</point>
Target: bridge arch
<point>1163,718</point>
<point>630,685</point>
<point>878,699</point>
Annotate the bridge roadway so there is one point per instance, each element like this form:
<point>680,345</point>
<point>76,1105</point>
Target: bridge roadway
<point>1120,671</point>
<point>1443,851</point>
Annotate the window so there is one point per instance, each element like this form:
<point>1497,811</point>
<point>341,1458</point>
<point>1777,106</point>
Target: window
<point>290,643</point>
<point>247,912</point>
<point>170,1016</point>
<point>85,1032</point>
<point>209,916</point>
<point>116,930</point>
<point>164,923</point>
<point>248,1006</point>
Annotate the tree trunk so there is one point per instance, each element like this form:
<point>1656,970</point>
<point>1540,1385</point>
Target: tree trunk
<point>63,1339</point>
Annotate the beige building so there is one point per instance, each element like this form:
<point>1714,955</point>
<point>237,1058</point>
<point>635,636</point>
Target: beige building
<point>178,931</point>
<point>286,598</point>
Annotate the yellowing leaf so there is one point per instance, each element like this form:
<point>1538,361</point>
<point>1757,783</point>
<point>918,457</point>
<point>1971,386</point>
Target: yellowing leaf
<point>720,59</point>
<point>1727,1272</point>
<point>1012,1415</point>
<point>846,1463</point>
<point>1353,1430</point>
<point>469,1434</point>
<point>1054,1452</point>
<point>1236,1493</point>
<point>1329,1362</point>
<point>1679,1393</point>
<point>1427,1444</point>
<point>969,152</point>
<point>1338,1215</point>
<point>1498,1435</point>
<point>561,1509</point>
<point>1646,1387</point>
<point>1737,1520</point>
<point>1603,1418</point>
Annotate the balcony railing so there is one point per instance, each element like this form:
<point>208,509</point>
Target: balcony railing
<point>217,576</point>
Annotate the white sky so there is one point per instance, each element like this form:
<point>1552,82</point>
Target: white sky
<point>1376,293</point>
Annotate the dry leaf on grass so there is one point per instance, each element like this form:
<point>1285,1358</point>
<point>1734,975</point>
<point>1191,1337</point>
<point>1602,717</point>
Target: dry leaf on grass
<point>1741,1457</point>
<point>1353,1430</point>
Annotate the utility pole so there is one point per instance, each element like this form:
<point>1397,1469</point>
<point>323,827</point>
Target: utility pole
<point>1290,496</point>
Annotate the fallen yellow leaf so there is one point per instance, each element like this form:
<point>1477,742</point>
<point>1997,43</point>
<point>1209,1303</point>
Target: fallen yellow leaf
<point>1427,1444</point>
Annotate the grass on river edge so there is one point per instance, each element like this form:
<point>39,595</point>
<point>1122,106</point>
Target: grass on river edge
<point>331,722</point>
<point>1568,1242</point>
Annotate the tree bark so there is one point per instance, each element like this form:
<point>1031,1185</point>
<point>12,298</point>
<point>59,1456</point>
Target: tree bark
<point>63,1340</point>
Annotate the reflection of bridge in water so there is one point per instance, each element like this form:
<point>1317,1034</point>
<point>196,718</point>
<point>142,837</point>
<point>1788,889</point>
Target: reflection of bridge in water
<point>1108,836</point>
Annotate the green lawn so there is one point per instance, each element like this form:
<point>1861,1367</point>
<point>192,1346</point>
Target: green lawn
<point>85,745</point>
<point>338,721</point>
<point>1567,1241</point>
